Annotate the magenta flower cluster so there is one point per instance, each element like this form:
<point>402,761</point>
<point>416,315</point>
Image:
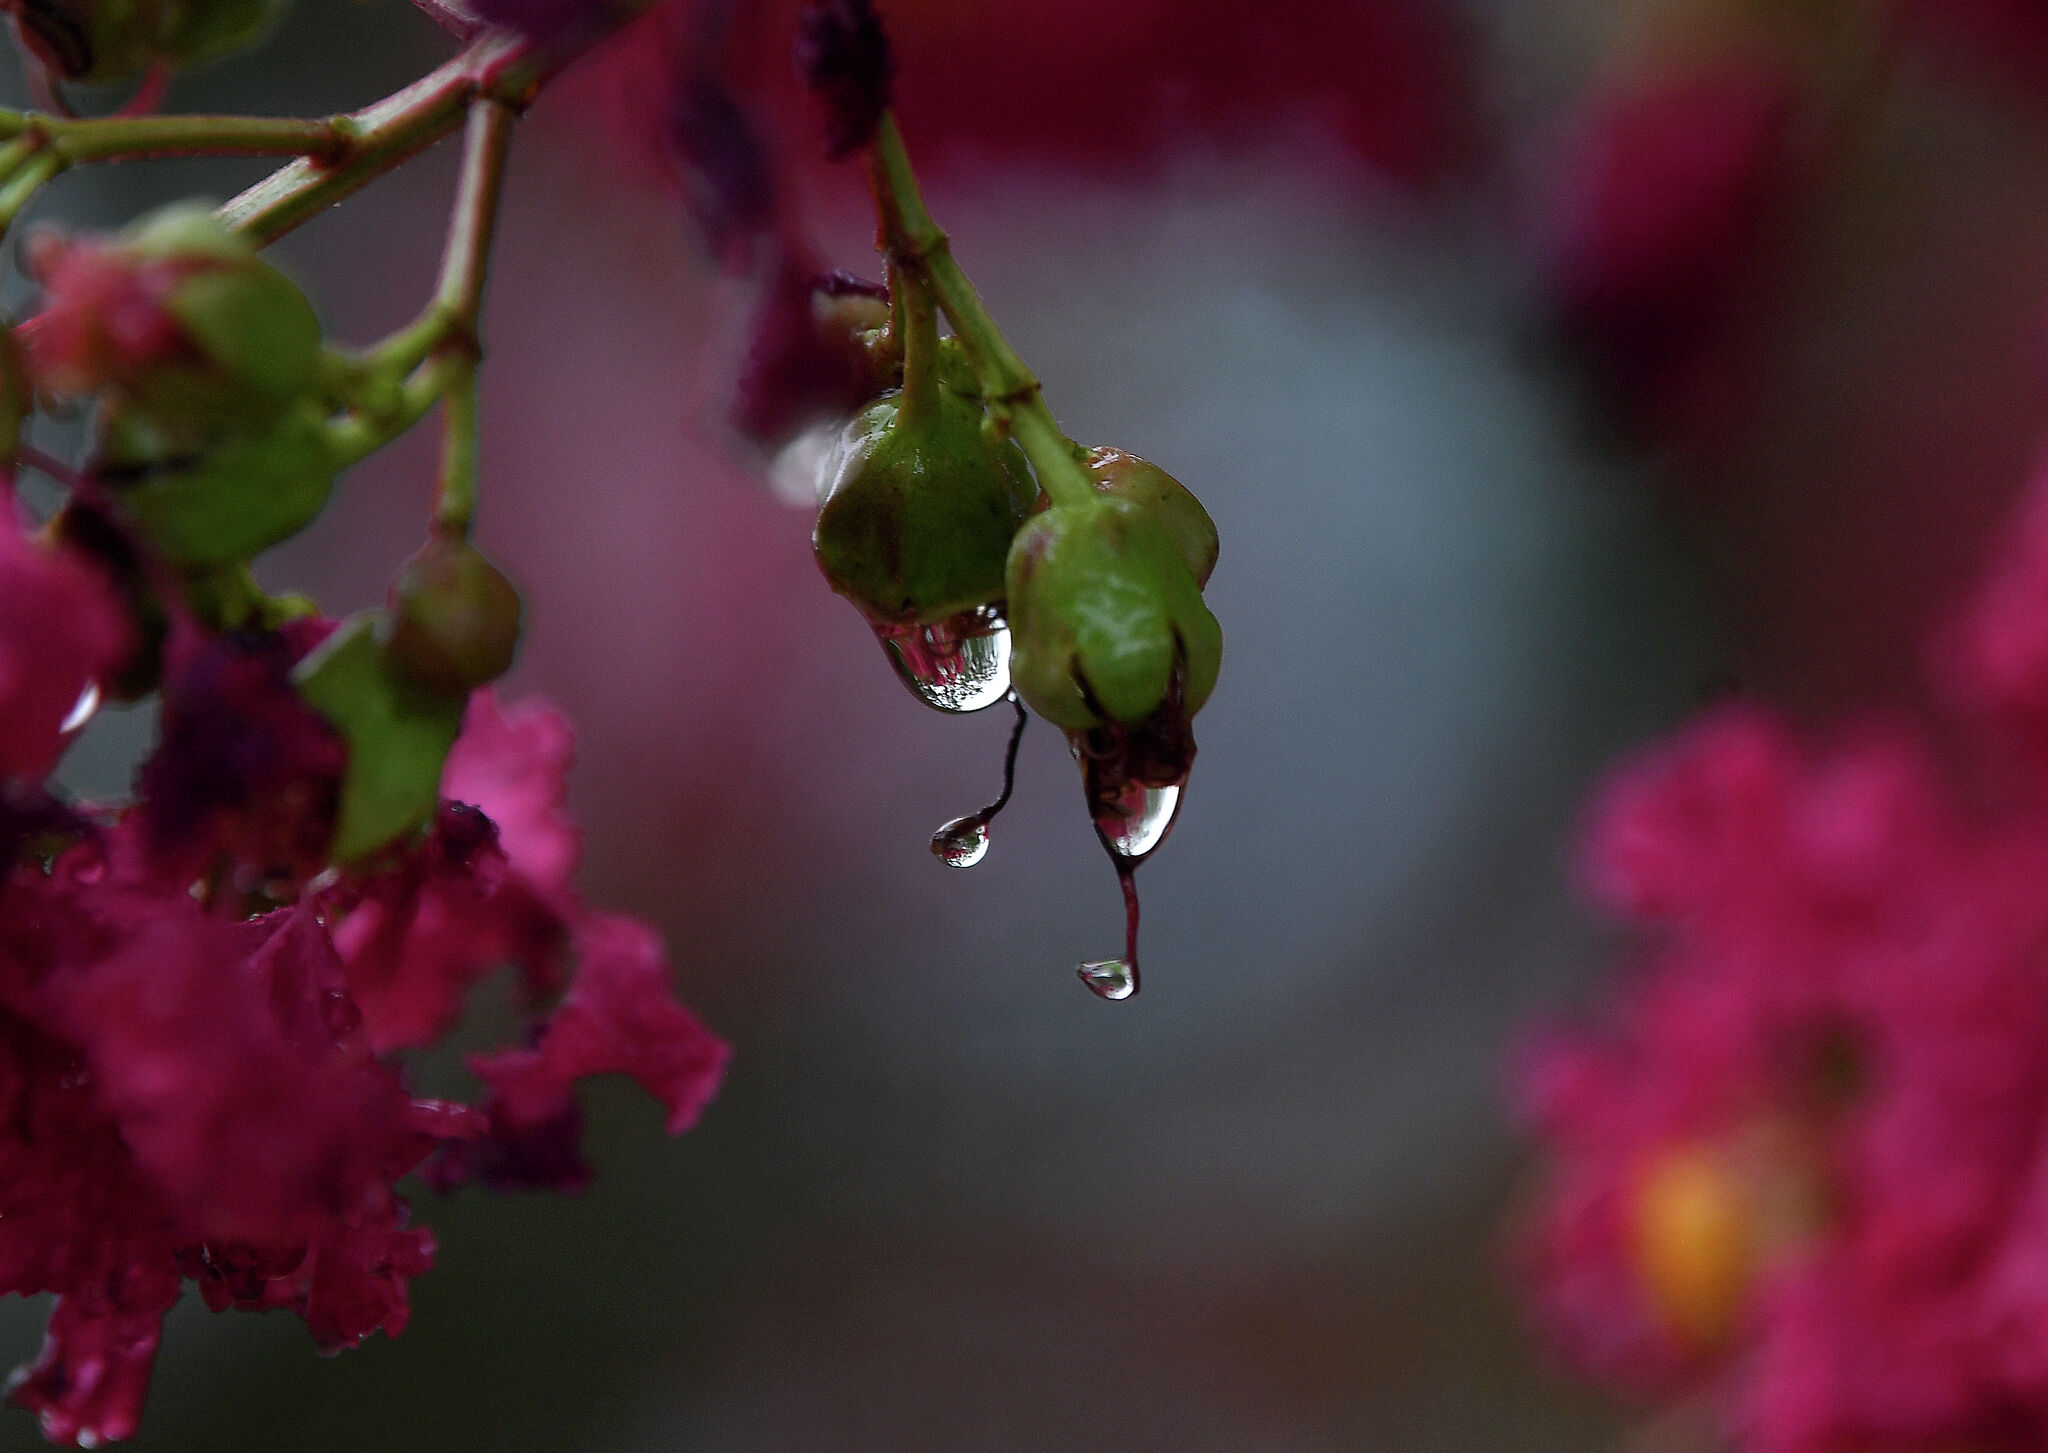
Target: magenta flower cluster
<point>1800,1168</point>
<point>202,1031</point>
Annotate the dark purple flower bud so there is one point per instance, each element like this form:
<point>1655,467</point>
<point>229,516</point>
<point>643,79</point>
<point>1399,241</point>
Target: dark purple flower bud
<point>725,169</point>
<point>243,765</point>
<point>813,353</point>
<point>842,53</point>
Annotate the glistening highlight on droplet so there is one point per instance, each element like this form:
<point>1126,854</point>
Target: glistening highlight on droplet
<point>1140,819</point>
<point>958,665</point>
<point>961,843</point>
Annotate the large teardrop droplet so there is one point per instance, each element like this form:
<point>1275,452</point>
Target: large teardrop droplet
<point>961,843</point>
<point>1109,979</point>
<point>1137,819</point>
<point>958,665</point>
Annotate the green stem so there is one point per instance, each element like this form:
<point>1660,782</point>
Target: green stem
<point>465,265</point>
<point>918,336</point>
<point>360,435</point>
<point>496,66</point>
<point>434,357</point>
<point>916,244</point>
<point>23,185</point>
<point>133,138</point>
<point>465,260</point>
<point>455,489</point>
<point>405,350</point>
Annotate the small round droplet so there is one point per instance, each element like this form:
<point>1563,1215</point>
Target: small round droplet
<point>82,710</point>
<point>1140,821</point>
<point>961,843</point>
<point>1109,979</point>
<point>958,665</point>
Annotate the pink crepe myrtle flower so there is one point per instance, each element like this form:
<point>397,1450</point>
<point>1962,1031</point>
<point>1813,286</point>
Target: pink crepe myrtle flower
<point>1793,1165</point>
<point>202,1082</point>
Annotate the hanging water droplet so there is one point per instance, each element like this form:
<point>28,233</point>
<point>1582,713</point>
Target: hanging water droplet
<point>1109,979</point>
<point>1118,978</point>
<point>82,710</point>
<point>961,843</point>
<point>1137,819</point>
<point>962,664</point>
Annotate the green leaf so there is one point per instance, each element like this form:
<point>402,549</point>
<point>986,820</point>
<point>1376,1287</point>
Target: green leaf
<point>240,498</point>
<point>398,735</point>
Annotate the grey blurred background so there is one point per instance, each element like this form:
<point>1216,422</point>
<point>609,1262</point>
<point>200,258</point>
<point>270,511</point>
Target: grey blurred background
<point>947,1199</point>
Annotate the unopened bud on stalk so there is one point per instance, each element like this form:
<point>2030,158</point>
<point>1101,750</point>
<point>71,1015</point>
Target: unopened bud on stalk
<point>918,513</point>
<point>1104,610</point>
<point>176,317</point>
<point>454,618</point>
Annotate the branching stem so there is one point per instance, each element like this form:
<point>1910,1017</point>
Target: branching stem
<point>917,246</point>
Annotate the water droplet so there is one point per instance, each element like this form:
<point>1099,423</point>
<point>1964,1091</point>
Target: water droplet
<point>1109,979</point>
<point>82,710</point>
<point>1137,819</point>
<point>962,664</point>
<point>961,843</point>
<point>1117,979</point>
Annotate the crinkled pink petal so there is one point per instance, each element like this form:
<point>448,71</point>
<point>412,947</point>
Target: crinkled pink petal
<point>88,1384</point>
<point>61,630</point>
<point>514,766</point>
<point>620,1016</point>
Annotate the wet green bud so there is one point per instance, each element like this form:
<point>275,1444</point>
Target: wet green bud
<point>918,514</point>
<point>1127,477</point>
<point>115,40</point>
<point>228,502</point>
<point>454,618</point>
<point>176,316</point>
<point>1103,610</point>
<point>243,316</point>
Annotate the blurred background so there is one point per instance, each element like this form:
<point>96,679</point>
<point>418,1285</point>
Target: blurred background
<point>1549,366</point>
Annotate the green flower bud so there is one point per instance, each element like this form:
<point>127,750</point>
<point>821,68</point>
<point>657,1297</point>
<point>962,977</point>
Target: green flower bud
<point>176,316</point>
<point>230,501</point>
<point>1103,611</point>
<point>114,40</point>
<point>245,318</point>
<point>1127,477</point>
<point>454,618</point>
<point>918,513</point>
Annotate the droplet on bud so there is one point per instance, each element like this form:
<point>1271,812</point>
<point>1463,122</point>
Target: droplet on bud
<point>961,843</point>
<point>1109,979</point>
<point>1137,820</point>
<point>82,710</point>
<point>958,665</point>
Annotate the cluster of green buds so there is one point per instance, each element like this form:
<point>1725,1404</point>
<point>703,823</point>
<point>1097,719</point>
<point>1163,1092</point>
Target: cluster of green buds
<point>219,421</point>
<point>996,559</point>
<point>204,366</point>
